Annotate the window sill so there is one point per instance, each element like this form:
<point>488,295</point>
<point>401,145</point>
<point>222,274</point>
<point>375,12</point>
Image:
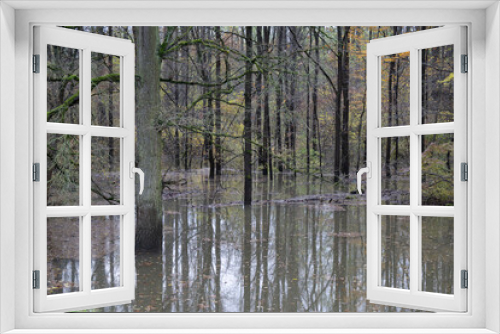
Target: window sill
<point>250,331</point>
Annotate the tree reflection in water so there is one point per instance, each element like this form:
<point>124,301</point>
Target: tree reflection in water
<point>276,256</point>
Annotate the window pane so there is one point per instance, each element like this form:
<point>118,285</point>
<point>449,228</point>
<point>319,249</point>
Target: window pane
<point>63,76</point>
<point>105,252</point>
<point>395,89</point>
<point>105,89</point>
<point>395,170</point>
<point>437,169</point>
<point>437,254</point>
<point>395,252</point>
<point>63,169</point>
<point>105,171</point>
<point>63,255</point>
<point>437,84</point>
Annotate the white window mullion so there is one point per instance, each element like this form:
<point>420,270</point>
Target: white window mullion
<point>395,131</point>
<point>433,129</point>
<point>460,155</point>
<point>86,156</point>
<point>40,155</point>
<point>392,210</point>
<point>101,131</point>
<point>414,171</point>
<point>373,184</point>
<point>86,249</point>
<point>127,121</point>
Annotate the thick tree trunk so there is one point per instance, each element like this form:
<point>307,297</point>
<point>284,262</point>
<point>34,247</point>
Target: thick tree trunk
<point>148,105</point>
<point>247,154</point>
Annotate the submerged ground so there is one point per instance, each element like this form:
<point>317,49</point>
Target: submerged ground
<point>302,244</point>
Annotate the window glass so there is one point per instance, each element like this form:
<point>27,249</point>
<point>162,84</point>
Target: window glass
<point>395,85</point>
<point>105,89</point>
<point>437,84</point>
<point>63,255</point>
<point>63,85</point>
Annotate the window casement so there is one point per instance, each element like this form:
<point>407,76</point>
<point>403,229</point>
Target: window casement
<point>67,217</point>
<point>417,122</point>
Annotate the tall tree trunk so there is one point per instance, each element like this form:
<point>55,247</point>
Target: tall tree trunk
<point>210,144</point>
<point>204,57</point>
<point>293,86</point>
<point>286,89</point>
<point>258,93</point>
<point>218,116</point>
<point>148,106</point>
<point>266,143</point>
<point>316,142</point>
<point>279,96</point>
<point>308,110</point>
<point>345,96</point>
<point>388,148</point>
<point>186,103</point>
<point>289,84</point>
<point>338,108</point>
<point>247,154</point>
<point>177,148</point>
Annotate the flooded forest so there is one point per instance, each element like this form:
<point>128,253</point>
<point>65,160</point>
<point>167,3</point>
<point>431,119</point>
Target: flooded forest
<point>250,139</point>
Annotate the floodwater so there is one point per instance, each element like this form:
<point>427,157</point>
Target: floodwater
<point>288,252</point>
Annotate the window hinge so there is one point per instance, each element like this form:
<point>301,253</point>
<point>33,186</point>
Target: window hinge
<point>465,279</point>
<point>36,172</point>
<point>36,63</point>
<point>465,63</point>
<point>36,279</point>
<point>464,171</point>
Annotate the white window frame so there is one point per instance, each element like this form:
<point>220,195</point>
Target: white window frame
<point>414,43</point>
<point>86,44</point>
<point>484,103</point>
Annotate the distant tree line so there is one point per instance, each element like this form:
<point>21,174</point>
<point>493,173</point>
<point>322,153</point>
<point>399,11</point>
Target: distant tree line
<point>267,100</point>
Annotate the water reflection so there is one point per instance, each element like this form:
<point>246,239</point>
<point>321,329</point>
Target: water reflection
<point>307,254</point>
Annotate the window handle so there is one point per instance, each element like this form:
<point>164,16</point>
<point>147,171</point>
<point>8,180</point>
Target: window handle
<point>139,171</point>
<point>368,171</point>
